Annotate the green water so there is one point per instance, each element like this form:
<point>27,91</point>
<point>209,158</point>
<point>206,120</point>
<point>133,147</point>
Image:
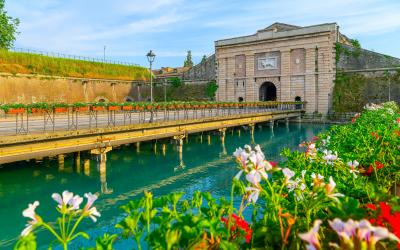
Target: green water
<point>129,173</point>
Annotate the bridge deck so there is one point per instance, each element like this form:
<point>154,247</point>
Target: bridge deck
<point>24,147</point>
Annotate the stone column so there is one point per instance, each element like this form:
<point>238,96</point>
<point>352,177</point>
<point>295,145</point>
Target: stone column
<point>283,93</point>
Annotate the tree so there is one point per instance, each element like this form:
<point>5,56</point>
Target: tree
<point>188,61</point>
<point>8,28</point>
<point>204,59</point>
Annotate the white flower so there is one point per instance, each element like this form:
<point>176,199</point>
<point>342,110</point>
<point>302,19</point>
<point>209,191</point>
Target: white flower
<point>91,211</point>
<point>317,179</point>
<point>242,156</point>
<point>312,236</point>
<point>330,187</point>
<point>75,201</point>
<point>353,165</point>
<point>329,157</point>
<point>254,193</point>
<point>288,173</point>
<point>64,200</point>
<point>30,213</point>
<point>302,187</point>
<point>253,177</point>
<point>237,176</point>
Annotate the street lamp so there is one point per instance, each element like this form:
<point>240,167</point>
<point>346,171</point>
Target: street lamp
<point>150,58</point>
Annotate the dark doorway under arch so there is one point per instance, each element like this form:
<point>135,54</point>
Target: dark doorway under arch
<point>267,92</point>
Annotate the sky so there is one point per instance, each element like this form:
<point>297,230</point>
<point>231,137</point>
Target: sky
<point>130,28</point>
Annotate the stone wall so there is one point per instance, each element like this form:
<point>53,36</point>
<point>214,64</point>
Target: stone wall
<point>203,71</point>
<point>351,58</point>
<point>29,89</point>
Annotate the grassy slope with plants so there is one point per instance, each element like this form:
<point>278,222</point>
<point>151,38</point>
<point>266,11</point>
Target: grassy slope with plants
<point>26,63</point>
<point>341,193</point>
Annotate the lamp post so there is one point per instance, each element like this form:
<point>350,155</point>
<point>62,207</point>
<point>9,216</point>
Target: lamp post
<point>150,58</point>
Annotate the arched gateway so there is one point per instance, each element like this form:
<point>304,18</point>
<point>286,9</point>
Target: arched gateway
<point>267,92</point>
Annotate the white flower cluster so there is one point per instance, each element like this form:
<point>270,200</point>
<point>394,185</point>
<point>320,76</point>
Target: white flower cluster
<point>299,185</point>
<point>67,203</point>
<point>253,164</point>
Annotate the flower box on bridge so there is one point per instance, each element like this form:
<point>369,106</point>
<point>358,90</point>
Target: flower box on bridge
<point>127,108</point>
<point>113,108</point>
<point>15,111</point>
<point>97,108</point>
<point>60,109</point>
<point>38,110</point>
<point>81,109</point>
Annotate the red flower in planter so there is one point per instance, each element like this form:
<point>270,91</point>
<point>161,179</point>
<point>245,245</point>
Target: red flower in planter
<point>385,218</point>
<point>370,169</point>
<point>376,135</point>
<point>241,224</point>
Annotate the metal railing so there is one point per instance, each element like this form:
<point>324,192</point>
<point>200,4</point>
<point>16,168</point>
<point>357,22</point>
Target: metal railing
<point>73,57</point>
<point>71,119</point>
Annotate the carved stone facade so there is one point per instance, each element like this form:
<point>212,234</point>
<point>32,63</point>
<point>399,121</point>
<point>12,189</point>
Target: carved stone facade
<point>281,62</point>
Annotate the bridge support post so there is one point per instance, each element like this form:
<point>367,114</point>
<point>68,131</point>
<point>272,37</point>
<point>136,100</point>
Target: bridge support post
<point>164,149</point>
<point>239,132</point>
<point>138,147</point>
<point>209,139</point>
<point>251,126</point>
<point>77,161</point>
<point>155,147</point>
<point>86,166</point>
<point>222,132</point>
<point>61,164</point>
<point>101,153</point>
<point>179,142</point>
<point>222,135</point>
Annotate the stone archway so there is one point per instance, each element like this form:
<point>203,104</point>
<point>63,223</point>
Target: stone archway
<point>267,92</point>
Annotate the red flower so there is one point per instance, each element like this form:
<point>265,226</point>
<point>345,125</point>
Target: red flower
<point>315,138</point>
<point>353,120</point>
<point>385,218</point>
<point>397,132</point>
<point>376,135</point>
<point>370,169</point>
<point>273,164</point>
<point>241,224</point>
<point>371,206</point>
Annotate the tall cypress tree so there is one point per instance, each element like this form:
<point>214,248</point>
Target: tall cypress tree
<point>188,61</point>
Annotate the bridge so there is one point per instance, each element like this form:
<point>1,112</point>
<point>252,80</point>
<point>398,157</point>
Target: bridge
<point>28,136</point>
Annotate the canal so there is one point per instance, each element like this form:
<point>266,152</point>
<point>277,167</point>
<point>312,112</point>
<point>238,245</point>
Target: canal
<point>204,166</point>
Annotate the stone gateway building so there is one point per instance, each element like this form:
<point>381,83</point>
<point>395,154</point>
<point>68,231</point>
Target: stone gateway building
<point>281,62</point>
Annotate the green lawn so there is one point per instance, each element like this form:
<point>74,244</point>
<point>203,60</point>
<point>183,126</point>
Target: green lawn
<point>26,63</point>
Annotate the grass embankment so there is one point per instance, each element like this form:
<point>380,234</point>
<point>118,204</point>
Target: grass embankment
<point>26,63</point>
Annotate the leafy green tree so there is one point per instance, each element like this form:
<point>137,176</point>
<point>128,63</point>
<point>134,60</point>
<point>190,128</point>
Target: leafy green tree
<point>211,89</point>
<point>188,61</point>
<point>8,28</point>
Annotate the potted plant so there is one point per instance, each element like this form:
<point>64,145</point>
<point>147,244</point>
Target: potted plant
<point>38,107</point>
<point>127,106</point>
<point>113,106</point>
<point>97,106</point>
<point>80,107</point>
<point>13,108</point>
<point>139,106</point>
<point>149,106</point>
<point>60,107</point>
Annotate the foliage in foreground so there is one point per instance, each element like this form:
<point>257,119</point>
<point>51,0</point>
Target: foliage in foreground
<point>340,193</point>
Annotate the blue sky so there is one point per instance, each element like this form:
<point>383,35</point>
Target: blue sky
<point>130,28</point>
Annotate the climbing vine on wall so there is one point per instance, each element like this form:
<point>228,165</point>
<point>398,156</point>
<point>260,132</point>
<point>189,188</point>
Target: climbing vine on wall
<point>353,90</point>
